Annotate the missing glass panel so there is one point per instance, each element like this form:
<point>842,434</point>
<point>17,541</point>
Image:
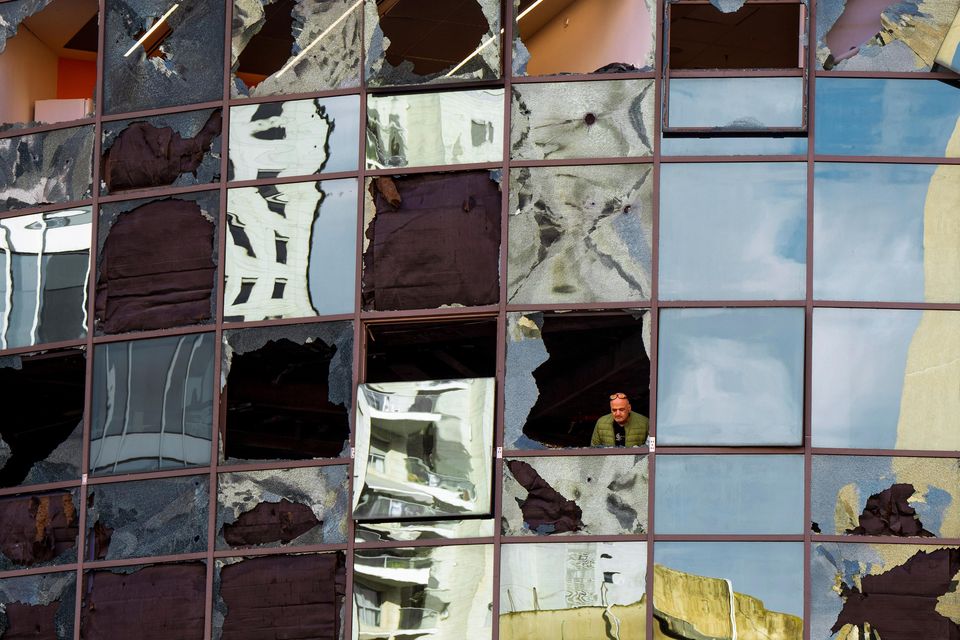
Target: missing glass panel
<point>39,529</point>
<point>46,168</point>
<point>39,606</point>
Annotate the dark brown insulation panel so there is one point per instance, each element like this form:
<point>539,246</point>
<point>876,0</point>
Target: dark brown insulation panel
<point>270,522</point>
<point>286,597</point>
<point>147,156</point>
<point>157,602</point>
<point>37,528</point>
<point>545,510</point>
<point>157,268</point>
<point>31,621</point>
<point>435,240</point>
<point>888,514</point>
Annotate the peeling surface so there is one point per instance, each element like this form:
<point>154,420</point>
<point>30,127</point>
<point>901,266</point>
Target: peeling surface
<point>38,606</point>
<point>38,530</point>
<point>46,168</point>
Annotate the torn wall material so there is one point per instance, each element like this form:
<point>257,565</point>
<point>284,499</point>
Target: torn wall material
<point>38,606</point>
<point>39,529</point>
<point>46,168</point>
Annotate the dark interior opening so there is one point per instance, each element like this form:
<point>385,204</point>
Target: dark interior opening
<point>431,350</point>
<point>271,47</point>
<point>591,356</point>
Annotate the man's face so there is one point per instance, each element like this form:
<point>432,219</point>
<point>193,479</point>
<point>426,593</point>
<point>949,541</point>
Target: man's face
<point>620,408</point>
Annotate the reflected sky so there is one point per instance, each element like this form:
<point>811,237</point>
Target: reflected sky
<point>736,103</point>
<point>733,231</point>
<point>733,146</point>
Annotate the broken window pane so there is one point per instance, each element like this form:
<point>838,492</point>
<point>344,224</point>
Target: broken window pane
<point>730,377</point>
<point>39,529</point>
<point>428,448</point>
<point>294,46</point>
<point>41,431</point>
<point>152,404</point>
<point>295,138</point>
<point>733,231</point>
<point>423,530</point>
<point>297,596</point>
<point>886,232</point>
<point>561,370</point>
<point>749,494</point>
<point>425,41</point>
<point>736,103</point>
<point>581,36</point>
<point>582,120</point>
<point>573,590</point>
<point>729,589</point>
<point>304,232</point>
<point>287,393</point>
<point>445,591</point>
<point>885,379</point>
<point>421,129</point>
<point>580,234</point>
<point>583,495</point>
<point>161,54</point>
<point>177,149</point>
<point>48,65</point>
<point>277,508</point>
<point>151,602</point>
<point>40,606</point>
<point>431,240</point>
<point>44,266</point>
<point>147,518</point>
<point>866,116</point>
<point>167,281</point>
<point>46,168</point>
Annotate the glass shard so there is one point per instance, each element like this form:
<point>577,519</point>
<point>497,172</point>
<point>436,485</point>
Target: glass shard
<point>46,168</point>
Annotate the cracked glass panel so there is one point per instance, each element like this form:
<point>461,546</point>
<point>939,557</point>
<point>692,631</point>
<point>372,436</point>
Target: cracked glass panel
<point>736,103</point>
<point>162,54</point>
<point>48,65</point>
<point>733,231</point>
<point>177,150</point>
<point>41,434</point>
<point>580,36</point>
<point>166,282</point>
<point>39,529</point>
<point>886,232</point>
<point>580,234</point>
<point>431,41</point>
<point>46,168</point>
<point>573,590</point>
<point>729,589</point>
<point>759,494</point>
<point>414,351</point>
<point>883,590</point>
<point>285,507</point>
<point>152,404</point>
<point>286,392</point>
<point>44,266</point>
<point>874,117</point>
<point>294,138</point>
<point>147,518</point>
<point>40,606</point>
<point>885,496</point>
<point>445,591</point>
<point>422,129</point>
<point>885,379</point>
<point>582,495</point>
<point>730,377</point>
<point>301,234</point>
<point>428,448</point>
<point>582,120</point>
<point>295,596</point>
<point>423,530</point>
<point>294,46</point>
<point>561,370</point>
<point>148,602</point>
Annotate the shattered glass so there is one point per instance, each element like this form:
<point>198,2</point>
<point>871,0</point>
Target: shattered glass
<point>581,495</point>
<point>733,231</point>
<point>44,266</point>
<point>423,530</point>
<point>152,404</point>
<point>302,234</point>
<point>181,64</point>
<point>39,529</point>
<point>147,518</point>
<point>580,234</point>
<point>39,605</point>
<point>582,120</point>
<point>285,507</point>
<point>294,46</point>
<point>737,103</point>
<point>423,129</point>
<point>46,168</point>
<point>729,494</point>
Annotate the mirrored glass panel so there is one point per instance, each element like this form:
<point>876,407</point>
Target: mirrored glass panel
<point>736,103</point>
<point>730,376</point>
<point>41,605</point>
<point>428,448</point>
<point>39,529</point>
<point>423,530</point>
<point>733,231</point>
<point>46,168</point>
<point>728,145</point>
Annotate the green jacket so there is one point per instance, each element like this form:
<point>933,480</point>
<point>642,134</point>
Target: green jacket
<point>636,428</point>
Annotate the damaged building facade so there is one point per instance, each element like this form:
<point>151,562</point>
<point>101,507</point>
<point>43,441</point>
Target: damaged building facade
<point>309,309</point>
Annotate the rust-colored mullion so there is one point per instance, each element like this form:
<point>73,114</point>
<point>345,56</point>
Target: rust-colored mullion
<point>729,537</point>
<point>310,177</point>
<point>886,159</point>
<point>887,453</point>
<point>154,333</point>
<point>810,115</point>
<point>720,450</point>
<point>45,208</point>
<point>133,562</point>
<point>284,97</point>
<point>404,89</point>
<point>162,111</point>
<point>44,346</point>
<point>460,313</point>
<point>148,475</point>
<point>433,168</point>
<point>584,77</point>
<point>447,542</point>
<point>282,464</point>
<point>917,306</point>
<point>722,159</point>
<point>16,132</point>
<point>613,537</point>
<point>890,75</point>
<point>39,488</point>
<point>580,306</point>
<point>38,571</point>
<point>706,304</point>
<point>244,552</point>
<point>154,192</point>
<point>938,542</point>
<point>736,73</point>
